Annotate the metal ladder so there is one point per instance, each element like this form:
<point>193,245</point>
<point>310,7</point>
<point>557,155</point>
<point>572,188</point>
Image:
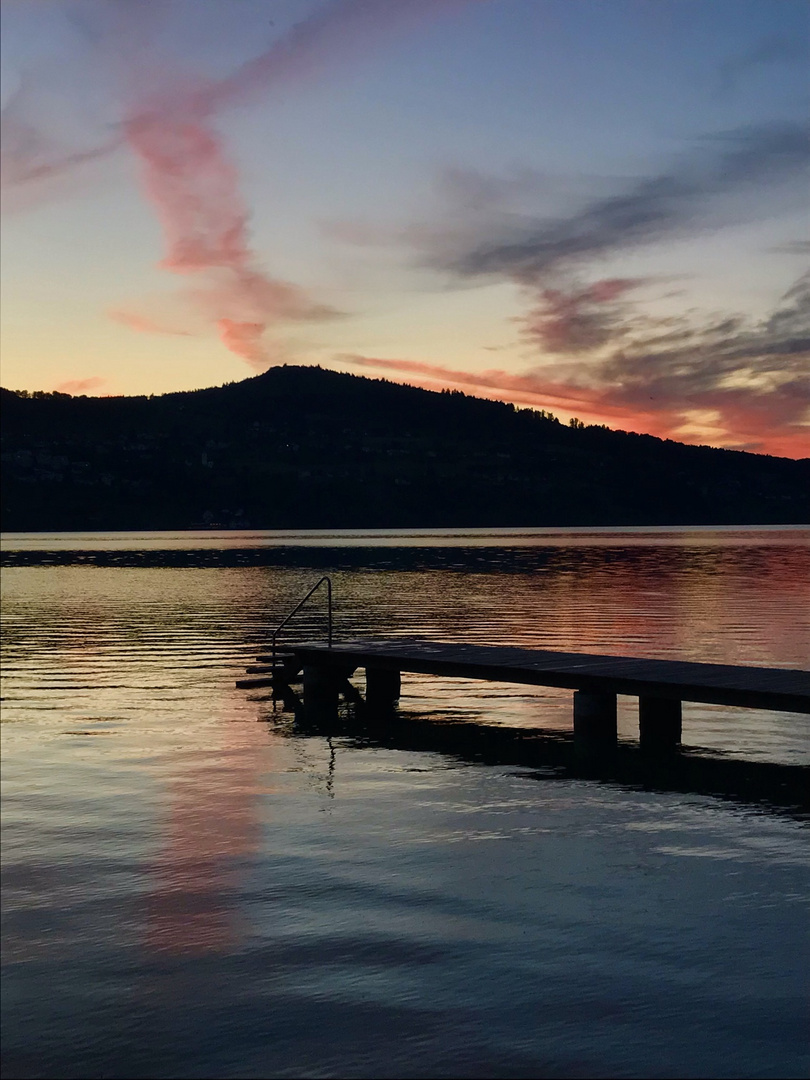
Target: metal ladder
<point>298,607</point>
<point>275,666</point>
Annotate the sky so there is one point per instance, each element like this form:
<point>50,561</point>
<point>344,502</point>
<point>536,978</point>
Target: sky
<point>594,207</point>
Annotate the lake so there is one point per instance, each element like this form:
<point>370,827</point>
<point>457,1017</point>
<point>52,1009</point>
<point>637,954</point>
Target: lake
<point>196,884</point>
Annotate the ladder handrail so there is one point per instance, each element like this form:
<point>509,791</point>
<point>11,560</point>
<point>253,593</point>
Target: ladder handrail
<point>298,607</point>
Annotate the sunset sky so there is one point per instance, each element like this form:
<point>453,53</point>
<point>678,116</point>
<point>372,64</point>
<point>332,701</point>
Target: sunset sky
<point>596,207</point>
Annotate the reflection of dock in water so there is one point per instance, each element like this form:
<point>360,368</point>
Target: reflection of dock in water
<point>556,754</point>
<point>590,750</point>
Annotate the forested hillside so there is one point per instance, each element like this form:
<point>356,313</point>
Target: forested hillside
<point>302,447</point>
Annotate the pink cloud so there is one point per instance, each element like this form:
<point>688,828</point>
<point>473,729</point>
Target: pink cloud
<point>579,319</point>
<point>144,324</point>
<point>185,170</point>
<point>80,386</point>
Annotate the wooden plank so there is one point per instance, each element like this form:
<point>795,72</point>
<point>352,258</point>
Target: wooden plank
<point>784,689</point>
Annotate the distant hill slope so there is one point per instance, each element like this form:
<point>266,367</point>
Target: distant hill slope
<point>302,447</point>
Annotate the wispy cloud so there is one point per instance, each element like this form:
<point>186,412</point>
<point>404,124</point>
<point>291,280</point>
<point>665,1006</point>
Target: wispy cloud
<point>168,122</point>
<point>765,53</point>
<point>194,188</point>
<point>721,379</point>
<point>726,381</point>
<point>80,386</point>
<point>579,319</point>
<point>675,202</point>
<point>42,155</point>
<point>792,247</point>
<point>146,324</point>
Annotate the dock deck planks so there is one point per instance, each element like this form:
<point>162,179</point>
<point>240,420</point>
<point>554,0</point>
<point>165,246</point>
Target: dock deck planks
<point>782,689</point>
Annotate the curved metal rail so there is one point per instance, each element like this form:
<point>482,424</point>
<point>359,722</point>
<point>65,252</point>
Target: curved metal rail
<point>298,607</point>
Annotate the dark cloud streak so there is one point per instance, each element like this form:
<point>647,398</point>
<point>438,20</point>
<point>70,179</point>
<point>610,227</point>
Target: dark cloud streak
<point>653,209</point>
<point>768,51</point>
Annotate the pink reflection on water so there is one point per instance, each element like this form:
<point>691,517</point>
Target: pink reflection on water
<point>211,825</point>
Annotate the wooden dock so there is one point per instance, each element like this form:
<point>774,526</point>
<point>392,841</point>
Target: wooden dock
<point>660,685</point>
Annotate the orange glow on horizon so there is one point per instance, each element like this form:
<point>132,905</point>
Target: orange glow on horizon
<point>737,428</point>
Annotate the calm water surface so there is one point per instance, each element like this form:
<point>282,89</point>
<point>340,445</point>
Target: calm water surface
<point>194,886</point>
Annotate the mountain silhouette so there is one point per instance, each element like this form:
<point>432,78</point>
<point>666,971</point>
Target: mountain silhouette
<point>304,447</point>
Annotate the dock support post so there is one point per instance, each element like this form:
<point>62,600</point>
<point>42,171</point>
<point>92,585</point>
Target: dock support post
<point>594,720</point>
<point>659,724</point>
<point>321,691</point>
<point>382,687</point>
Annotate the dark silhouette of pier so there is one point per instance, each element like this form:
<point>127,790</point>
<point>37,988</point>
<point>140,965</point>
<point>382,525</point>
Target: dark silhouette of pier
<point>660,685</point>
